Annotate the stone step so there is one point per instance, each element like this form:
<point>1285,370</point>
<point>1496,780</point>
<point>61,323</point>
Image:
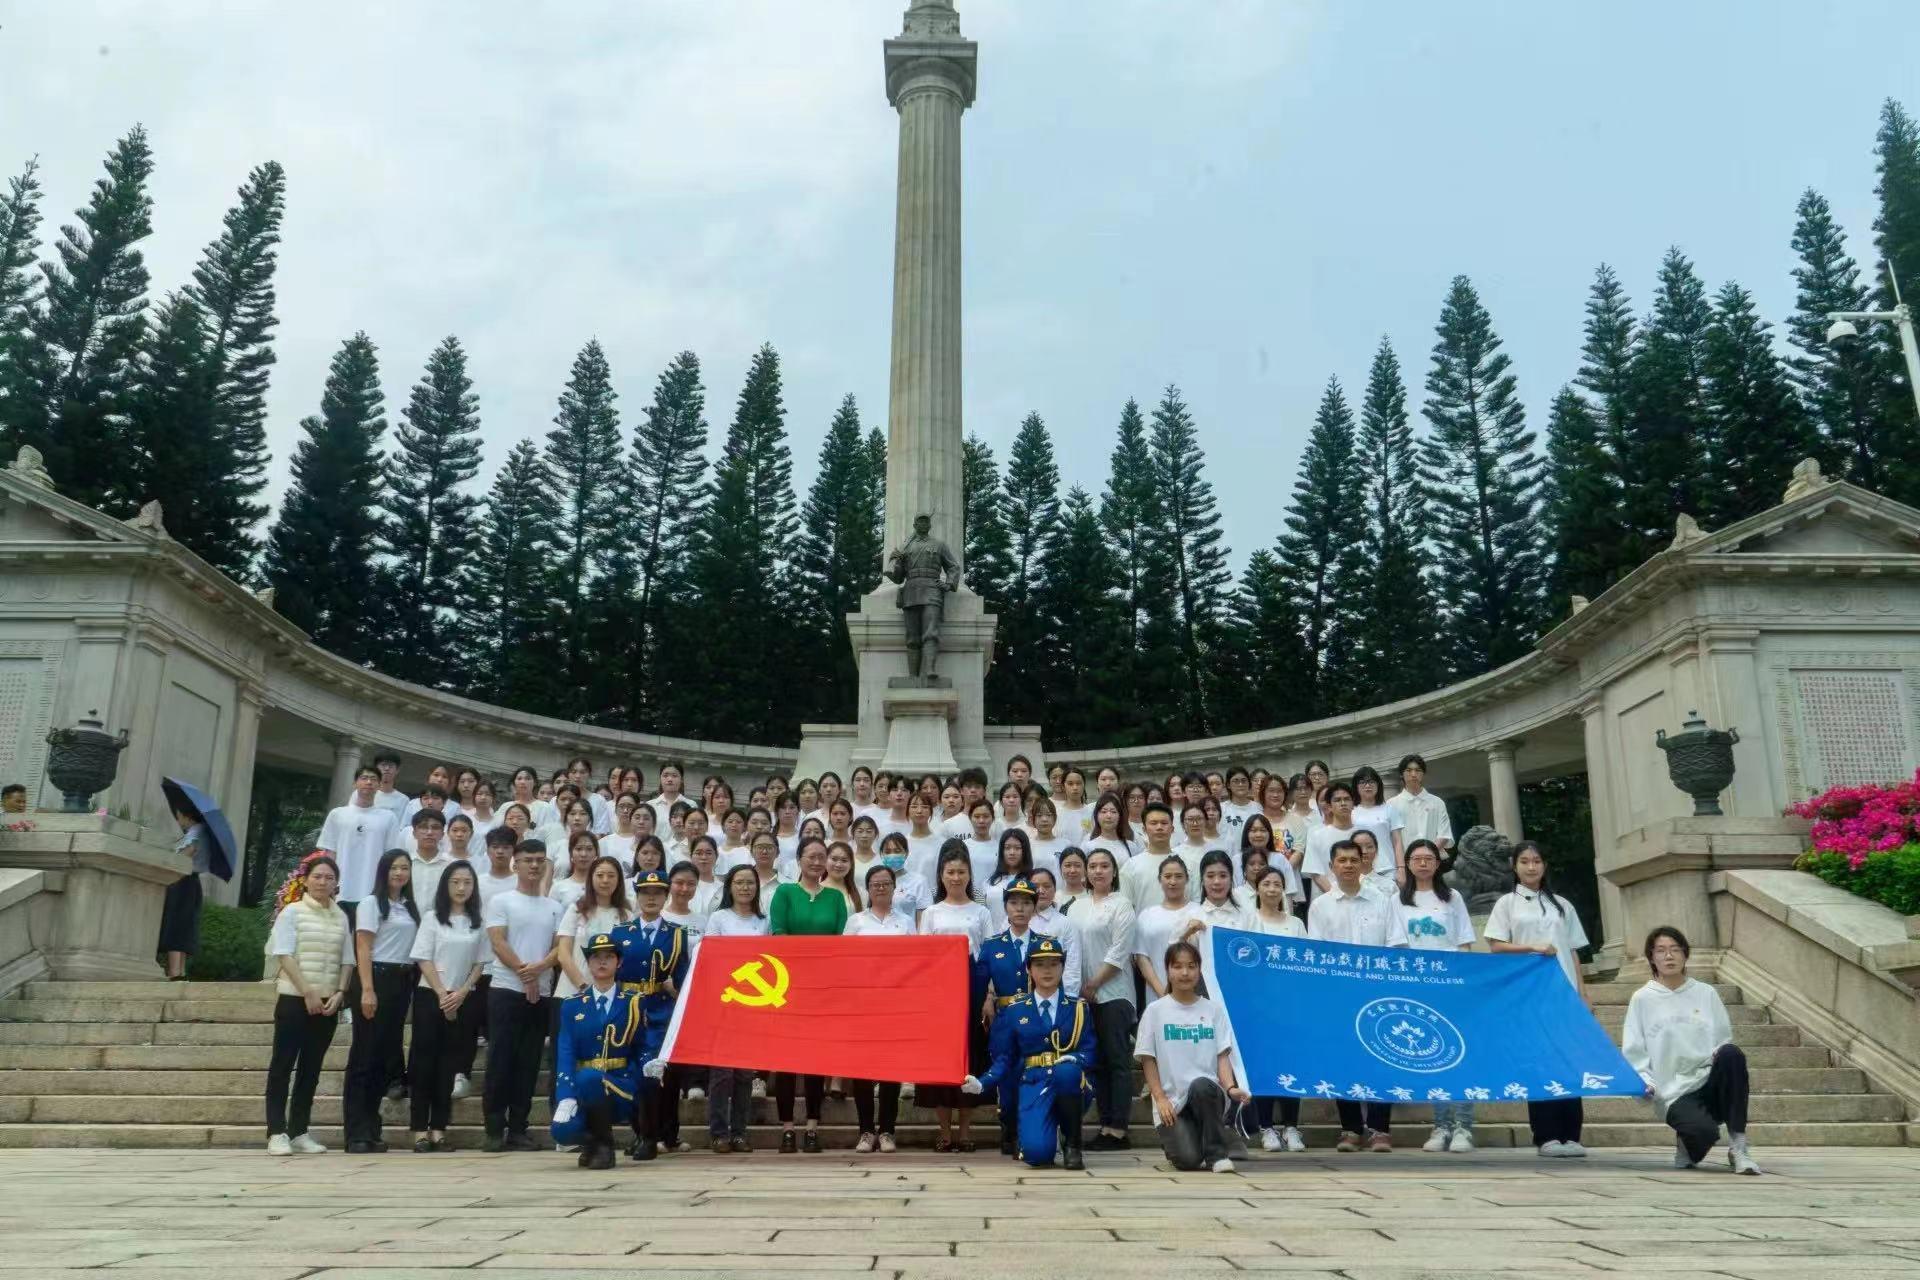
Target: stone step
<point>15,1009</point>
<point>158,989</point>
<point>1610,993</point>
<point>1614,1016</point>
<point>1657,1139</point>
<point>246,1108</point>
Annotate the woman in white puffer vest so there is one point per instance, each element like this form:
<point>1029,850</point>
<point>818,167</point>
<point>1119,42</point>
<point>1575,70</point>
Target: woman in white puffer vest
<point>312,951</point>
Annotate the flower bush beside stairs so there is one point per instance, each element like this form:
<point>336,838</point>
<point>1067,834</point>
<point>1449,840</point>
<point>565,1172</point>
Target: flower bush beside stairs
<point>1866,840</point>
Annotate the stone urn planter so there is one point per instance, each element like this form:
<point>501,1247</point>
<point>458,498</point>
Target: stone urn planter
<point>83,761</point>
<point>1700,762</point>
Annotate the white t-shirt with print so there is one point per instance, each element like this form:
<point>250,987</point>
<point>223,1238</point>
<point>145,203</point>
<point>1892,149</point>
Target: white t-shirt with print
<point>1433,925</point>
<point>1185,1041</point>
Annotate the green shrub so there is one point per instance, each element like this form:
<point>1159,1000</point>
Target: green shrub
<point>233,945</point>
<point>1890,878</point>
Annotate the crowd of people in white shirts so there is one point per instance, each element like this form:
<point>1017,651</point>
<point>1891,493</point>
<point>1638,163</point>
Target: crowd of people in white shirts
<point>442,904</point>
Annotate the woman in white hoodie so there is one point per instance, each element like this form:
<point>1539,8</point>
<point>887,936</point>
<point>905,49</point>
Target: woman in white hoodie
<point>1679,1039</point>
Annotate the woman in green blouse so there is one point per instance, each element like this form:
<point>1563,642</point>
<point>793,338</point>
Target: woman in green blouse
<point>809,907</point>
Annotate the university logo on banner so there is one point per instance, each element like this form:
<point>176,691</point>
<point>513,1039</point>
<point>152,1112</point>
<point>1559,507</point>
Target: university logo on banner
<point>1388,1024</point>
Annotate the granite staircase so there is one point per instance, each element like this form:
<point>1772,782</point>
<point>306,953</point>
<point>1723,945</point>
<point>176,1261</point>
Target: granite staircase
<point>151,1064</point>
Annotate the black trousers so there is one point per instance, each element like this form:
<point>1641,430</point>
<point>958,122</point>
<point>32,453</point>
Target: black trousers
<point>300,1044</point>
<point>516,1035</point>
<point>478,1000</point>
<point>1377,1116</point>
<point>864,1092</point>
<point>1198,1135</point>
<point>1113,1062</point>
<point>1697,1117</point>
<point>1289,1113</point>
<point>1556,1120</point>
<point>440,1045</point>
<point>377,1041</point>
<point>784,1086</point>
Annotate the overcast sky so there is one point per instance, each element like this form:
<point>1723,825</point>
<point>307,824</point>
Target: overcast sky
<point>1237,196</point>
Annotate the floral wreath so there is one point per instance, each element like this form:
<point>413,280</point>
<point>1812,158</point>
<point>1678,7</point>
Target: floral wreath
<point>295,886</point>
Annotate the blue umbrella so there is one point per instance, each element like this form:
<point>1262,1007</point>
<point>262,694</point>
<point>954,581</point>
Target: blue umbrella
<point>186,797</point>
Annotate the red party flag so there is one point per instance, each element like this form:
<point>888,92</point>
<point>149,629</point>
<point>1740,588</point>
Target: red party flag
<point>864,1008</point>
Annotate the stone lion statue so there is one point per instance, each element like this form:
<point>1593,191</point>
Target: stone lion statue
<point>1482,868</point>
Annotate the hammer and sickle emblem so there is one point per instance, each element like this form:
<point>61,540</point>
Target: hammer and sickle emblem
<point>764,994</point>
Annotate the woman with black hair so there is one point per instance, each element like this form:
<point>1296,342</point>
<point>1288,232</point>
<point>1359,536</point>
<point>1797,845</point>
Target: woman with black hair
<point>1273,915</point>
<point>1258,836</point>
<point>1015,863</point>
<point>1216,904</point>
<point>956,912</point>
<point>1532,918</point>
<point>877,1102</point>
<point>1106,922</point>
<point>1371,812</point>
<point>450,950</point>
<point>1436,919</point>
<point>731,1090</point>
<point>1185,1047</point>
<point>1111,830</point>
<point>312,950</point>
<point>383,974</point>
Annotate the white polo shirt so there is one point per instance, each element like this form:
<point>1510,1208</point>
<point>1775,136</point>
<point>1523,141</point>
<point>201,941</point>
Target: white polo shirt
<point>1367,918</point>
<point>1425,816</point>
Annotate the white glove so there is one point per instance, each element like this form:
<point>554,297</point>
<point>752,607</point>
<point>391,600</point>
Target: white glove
<point>566,1111</point>
<point>655,1069</point>
<point>970,1085</point>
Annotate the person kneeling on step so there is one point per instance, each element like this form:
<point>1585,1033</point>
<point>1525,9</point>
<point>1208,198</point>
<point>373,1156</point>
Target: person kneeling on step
<point>1047,1036</point>
<point>1680,1040</point>
<point>1185,1048</point>
<point>597,1058</point>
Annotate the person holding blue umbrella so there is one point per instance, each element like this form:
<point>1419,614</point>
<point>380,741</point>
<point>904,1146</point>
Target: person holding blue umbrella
<point>206,838</point>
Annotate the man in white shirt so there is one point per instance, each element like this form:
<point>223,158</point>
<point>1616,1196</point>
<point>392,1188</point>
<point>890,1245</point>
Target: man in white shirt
<point>1354,910</point>
<point>672,779</point>
<point>1424,812</point>
<point>356,834</point>
<point>387,768</point>
<point>430,858</point>
<point>1317,864</point>
<point>1140,878</point>
<point>520,928</point>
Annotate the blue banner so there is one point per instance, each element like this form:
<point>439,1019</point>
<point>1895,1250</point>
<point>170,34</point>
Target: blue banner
<point>1388,1024</point>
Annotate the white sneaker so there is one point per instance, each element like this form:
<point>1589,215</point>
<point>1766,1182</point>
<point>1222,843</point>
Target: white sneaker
<point>1572,1151</point>
<point>1270,1141</point>
<point>696,1093</point>
<point>1437,1142</point>
<point>1223,1165</point>
<point>1740,1159</point>
<point>759,1087</point>
<point>1681,1160</point>
<point>307,1145</point>
<point>887,1146</point>
<point>1462,1140</point>
<point>1291,1136</point>
<point>865,1145</point>
<point>279,1145</point>
<point>1551,1149</point>
<point>462,1086</point>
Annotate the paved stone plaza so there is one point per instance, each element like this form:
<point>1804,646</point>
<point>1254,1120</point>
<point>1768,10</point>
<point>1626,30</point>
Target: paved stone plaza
<point>248,1216</point>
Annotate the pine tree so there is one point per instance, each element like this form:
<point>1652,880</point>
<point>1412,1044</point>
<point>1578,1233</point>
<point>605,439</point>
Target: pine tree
<point>1278,666</point>
<point>1326,526</point>
<point>838,561</point>
<point>1195,562</point>
<point>1896,231</point>
<point>877,474</point>
<point>1017,684</point>
<point>169,407</point>
<point>741,574</point>
<point>22,378</point>
<point>1131,516</point>
<point>1393,599</point>
<point>319,556</point>
<point>583,453</point>
<point>429,528</point>
<point>1606,357</point>
<point>1837,380</point>
<point>1482,481</point>
<point>90,329</point>
<point>989,554</point>
<point>1579,500</point>
<point>1759,422</point>
<point>227,458</point>
<point>664,512</point>
<point>1669,436</point>
<point>509,625</point>
<point>1081,625</point>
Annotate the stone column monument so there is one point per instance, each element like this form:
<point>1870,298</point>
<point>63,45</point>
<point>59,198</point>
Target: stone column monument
<point>910,718</point>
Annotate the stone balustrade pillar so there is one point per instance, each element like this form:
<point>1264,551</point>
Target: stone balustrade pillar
<point>346,763</point>
<point>1505,786</point>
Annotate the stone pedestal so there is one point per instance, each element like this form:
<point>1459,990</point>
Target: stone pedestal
<point>903,725</point>
<point>918,734</point>
<point>1662,871</point>
<point>96,914</point>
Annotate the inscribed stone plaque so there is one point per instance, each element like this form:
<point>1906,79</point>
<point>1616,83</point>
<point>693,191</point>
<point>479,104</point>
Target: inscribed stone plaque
<point>1856,723</point>
<point>19,680</point>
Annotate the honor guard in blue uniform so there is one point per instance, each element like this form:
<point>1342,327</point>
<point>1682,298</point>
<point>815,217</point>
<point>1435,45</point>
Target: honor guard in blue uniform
<point>1003,963</point>
<point>653,968</point>
<point>1045,1040</point>
<point>597,1059</point>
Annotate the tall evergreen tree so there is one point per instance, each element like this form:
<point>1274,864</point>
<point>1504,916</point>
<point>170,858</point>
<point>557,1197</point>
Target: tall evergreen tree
<point>1195,562</point>
<point>1326,527</point>
<point>877,472</point>
<point>989,552</point>
<point>320,554</point>
<point>1082,627</point>
<point>741,572</point>
<point>1669,435</point>
<point>1896,230</point>
<point>1393,599</point>
<point>1279,670</point>
<point>1130,513</point>
<point>1606,357</point>
<point>168,408</point>
<point>838,561</point>
<point>509,625</point>
<point>429,527</point>
<point>21,380</point>
<point>1017,684</point>
<point>1759,423</point>
<point>89,331</point>
<point>1579,504</point>
<point>1838,381</point>
<point>1482,480</point>
<point>583,452</point>
<point>225,463</point>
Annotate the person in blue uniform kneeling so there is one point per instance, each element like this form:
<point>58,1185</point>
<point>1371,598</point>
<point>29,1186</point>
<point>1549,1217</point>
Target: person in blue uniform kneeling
<point>1003,962</point>
<point>1045,1040</point>
<point>598,1058</point>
